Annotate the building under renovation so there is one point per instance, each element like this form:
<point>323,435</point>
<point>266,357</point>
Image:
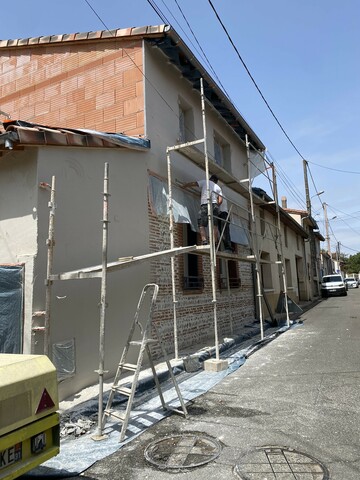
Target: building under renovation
<point>138,101</point>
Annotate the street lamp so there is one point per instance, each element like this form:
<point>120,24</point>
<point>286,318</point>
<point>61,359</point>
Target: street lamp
<point>318,193</point>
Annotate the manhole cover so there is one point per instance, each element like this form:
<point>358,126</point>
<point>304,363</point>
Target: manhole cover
<point>182,451</point>
<point>272,463</point>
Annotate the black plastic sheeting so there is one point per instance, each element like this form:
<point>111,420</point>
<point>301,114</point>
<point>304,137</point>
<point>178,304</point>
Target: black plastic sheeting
<point>11,306</point>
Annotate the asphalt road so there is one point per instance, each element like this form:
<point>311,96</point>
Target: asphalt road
<point>298,396</point>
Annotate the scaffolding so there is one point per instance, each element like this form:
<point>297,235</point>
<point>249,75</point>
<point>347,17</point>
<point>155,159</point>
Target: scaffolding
<point>202,160</point>
<point>101,271</point>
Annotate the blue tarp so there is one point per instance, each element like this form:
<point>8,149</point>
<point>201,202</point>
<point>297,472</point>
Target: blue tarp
<point>11,305</point>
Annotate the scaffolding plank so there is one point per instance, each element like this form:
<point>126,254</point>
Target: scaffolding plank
<point>124,262</point>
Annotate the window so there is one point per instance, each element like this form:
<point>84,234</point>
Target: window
<point>288,272</point>
<point>64,358</point>
<point>262,222</point>
<point>222,152</point>
<point>192,280</point>
<point>286,236</point>
<point>266,273</point>
<point>186,122</point>
<point>233,270</point>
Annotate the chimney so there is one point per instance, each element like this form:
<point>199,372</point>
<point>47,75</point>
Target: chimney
<point>284,202</point>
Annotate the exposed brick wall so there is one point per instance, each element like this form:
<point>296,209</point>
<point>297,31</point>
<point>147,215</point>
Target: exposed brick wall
<point>195,317</point>
<point>95,86</point>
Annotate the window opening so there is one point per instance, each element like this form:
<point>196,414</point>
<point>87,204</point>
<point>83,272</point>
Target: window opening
<point>192,278</point>
<point>288,272</point>
<point>266,271</point>
<point>234,277</point>
<point>222,152</point>
<point>186,122</point>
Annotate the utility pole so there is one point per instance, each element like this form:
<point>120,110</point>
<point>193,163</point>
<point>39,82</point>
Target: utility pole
<point>338,256</point>
<point>327,228</point>
<point>307,193</point>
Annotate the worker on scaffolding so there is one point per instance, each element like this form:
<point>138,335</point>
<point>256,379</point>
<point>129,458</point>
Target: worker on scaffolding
<point>216,200</point>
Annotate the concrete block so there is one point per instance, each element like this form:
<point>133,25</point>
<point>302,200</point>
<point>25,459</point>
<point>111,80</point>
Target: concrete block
<point>213,365</point>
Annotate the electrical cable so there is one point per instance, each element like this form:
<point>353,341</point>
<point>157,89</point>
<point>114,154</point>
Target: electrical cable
<point>253,80</point>
<point>348,248</point>
<point>203,54</point>
<point>334,169</point>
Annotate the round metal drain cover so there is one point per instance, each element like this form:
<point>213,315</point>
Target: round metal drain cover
<point>271,463</point>
<point>182,451</point>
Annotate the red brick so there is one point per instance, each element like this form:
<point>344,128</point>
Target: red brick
<point>132,75</point>
<point>113,112</point>
<point>57,102</point>
<point>85,106</point>
<point>126,123</point>
<point>105,100</point>
<point>68,111</point>
<point>42,108</point>
<point>93,117</point>
<point>69,85</point>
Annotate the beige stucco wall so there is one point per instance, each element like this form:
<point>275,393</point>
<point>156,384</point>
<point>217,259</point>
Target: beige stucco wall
<point>78,235</point>
<point>18,221</point>
<point>293,252</point>
<point>162,121</point>
<point>194,310</point>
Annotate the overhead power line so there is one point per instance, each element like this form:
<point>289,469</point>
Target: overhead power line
<point>253,80</point>
<point>334,169</point>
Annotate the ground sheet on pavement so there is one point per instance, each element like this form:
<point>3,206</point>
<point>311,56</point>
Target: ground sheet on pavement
<point>78,454</point>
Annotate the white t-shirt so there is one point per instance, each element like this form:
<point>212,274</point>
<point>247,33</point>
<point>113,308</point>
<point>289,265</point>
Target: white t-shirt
<point>223,206</point>
<point>214,189</point>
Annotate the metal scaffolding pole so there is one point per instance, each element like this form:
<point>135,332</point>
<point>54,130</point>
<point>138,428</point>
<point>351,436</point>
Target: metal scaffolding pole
<point>255,242</point>
<point>172,259</point>
<point>103,304</point>
<point>210,224</point>
<point>50,256</point>
<point>283,269</point>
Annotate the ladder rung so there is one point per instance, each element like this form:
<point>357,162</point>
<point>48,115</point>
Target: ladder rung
<point>139,342</point>
<point>117,415</point>
<point>128,366</point>
<point>124,390</point>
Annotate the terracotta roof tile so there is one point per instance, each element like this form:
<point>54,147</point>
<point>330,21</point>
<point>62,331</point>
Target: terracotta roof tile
<point>94,35</point>
<point>67,37</point>
<point>45,39</point>
<point>108,33</point>
<point>56,38</point>
<point>22,133</point>
<point>123,32</point>
<point>82,36</point>
<point>34,40</point>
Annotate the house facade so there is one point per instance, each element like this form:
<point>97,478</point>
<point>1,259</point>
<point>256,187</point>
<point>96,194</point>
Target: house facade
<point>282,255</point>
<point>145,84</point>
<point>312,247</point>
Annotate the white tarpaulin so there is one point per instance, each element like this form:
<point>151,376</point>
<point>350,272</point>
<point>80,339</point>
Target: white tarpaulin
<point>186,209</point>
<point>257,164</point>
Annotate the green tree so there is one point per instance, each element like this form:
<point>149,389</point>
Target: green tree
<point>352,264</point>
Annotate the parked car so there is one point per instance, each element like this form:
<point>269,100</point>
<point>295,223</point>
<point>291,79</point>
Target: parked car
<point>333,285</point>
<point>351,282</point>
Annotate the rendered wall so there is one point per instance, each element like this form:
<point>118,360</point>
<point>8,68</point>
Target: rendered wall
<point>293,251</point>
<point>78,235</point>
<point>194,310</point>
<point>18,222</point>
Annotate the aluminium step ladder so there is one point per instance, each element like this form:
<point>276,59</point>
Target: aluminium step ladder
<point>123,366</point>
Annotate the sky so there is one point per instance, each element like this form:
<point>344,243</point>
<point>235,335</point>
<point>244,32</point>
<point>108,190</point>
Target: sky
<point>304,58</point>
